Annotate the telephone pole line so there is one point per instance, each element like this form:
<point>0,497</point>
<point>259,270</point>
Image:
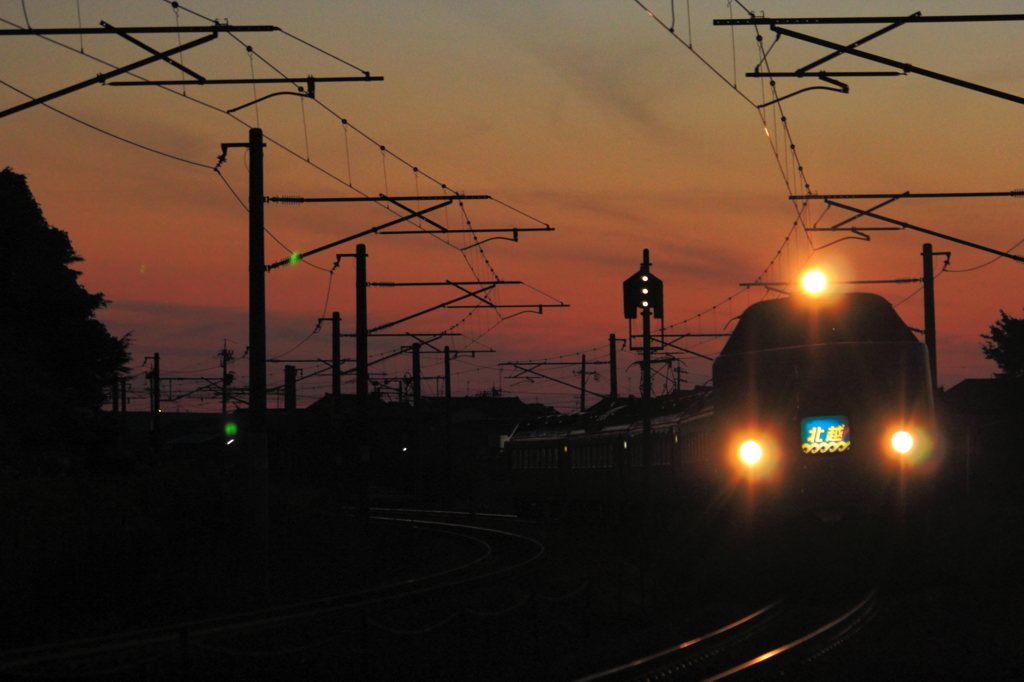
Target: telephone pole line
<point>613,370</point>
<point>226,355</point>
<point>929,310</point>
<point>258,359</point>
<point>154,403</point>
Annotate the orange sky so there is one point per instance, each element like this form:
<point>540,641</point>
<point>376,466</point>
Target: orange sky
<point>588,116</point>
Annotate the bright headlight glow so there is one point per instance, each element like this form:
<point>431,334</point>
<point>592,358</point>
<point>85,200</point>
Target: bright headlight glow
<point>750,452</point>
<point>902,442</point>
<point>814,282</point>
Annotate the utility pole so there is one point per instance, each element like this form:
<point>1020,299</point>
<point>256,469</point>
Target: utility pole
<point>226,356</point>
<point>124,395</point>
<point>929,310</point>
<point>154,404</point>
<point>583,384</point>
<point>258,462</point>
<point>614,391</point>
<point>289,388</point>
<point>258,356</point>
<point>446,459</point>
<point>336,354</point>
<point>447,377</point>
<point>416,376</point>
<point>362,381</point>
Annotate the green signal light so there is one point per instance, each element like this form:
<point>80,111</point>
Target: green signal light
<point>231,428</point>
<point>295,258</point>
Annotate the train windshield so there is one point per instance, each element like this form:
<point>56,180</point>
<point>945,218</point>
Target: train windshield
<point>803,321</point>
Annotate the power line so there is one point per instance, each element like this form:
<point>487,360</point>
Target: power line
<point>106,132</point>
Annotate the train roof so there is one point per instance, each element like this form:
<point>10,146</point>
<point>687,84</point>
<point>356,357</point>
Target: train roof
<point>617,414</point>
<point>805,320</point>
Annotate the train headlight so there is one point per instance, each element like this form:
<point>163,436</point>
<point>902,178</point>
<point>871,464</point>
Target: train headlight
<point>750,453</point>
<point>902,442</point>
<point>814,282</point>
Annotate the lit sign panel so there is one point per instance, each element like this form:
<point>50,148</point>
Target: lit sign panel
<point>825,434</point>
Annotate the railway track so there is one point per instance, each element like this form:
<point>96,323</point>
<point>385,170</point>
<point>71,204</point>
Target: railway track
<point>288,632</point>
<point>773,641</point>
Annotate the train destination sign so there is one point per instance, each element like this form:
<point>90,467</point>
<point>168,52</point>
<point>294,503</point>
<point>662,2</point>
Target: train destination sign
<point>825,434</point>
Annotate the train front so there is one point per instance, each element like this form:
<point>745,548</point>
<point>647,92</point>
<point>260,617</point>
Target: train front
<point>823,405</point>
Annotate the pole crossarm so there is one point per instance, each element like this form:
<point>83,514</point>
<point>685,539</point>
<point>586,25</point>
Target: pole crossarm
<point>523,371</point>
<point>514,230</point>
<point>101,78</point>
<point>827,58</point>
<point>908,195</point>
<point>415,335</point>
<point>138,43</point>
<point>917,228</point>
<point>405,208</point>
<point>539,306</point>
<point>446,304</point>
<point>671,344</point>
<point>916,18</point>
<point>858,230</point>
<point>851,49</point>
<point>382,197</point>
<point>436,284</point>
<point>815,74</point>
<point>556,364</point>
<point>905,280</point>
<point>310,82</point>
<point>299,256</point>
<point>678,337</point>
<point>109,30</point>
<point>326,362</point>
<point>903,66</point>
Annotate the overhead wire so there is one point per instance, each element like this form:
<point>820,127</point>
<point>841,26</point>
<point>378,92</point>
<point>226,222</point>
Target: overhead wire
<point>789,151</point>
<point>476,245</point>
<point>107,132</point>
<point>987,263</point>
<point>384,151</point>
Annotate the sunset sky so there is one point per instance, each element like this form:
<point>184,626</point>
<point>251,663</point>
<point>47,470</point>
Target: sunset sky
<point>587,115</point>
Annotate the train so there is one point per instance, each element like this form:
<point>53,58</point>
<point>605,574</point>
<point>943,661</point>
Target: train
<point>818,405</point>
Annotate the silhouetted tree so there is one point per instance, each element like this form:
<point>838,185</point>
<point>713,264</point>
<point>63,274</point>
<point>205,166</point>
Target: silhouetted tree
<point>56,358</point>
<point>1006,345</point>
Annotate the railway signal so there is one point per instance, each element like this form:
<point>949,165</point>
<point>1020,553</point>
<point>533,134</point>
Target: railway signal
<point>643,290</point>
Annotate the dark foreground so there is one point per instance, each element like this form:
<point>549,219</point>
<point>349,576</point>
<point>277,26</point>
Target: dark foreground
<point>102,554</point>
